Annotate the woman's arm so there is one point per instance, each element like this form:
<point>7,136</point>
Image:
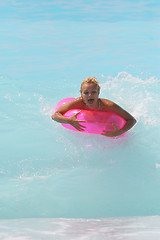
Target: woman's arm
<point>130,120</point>
<point>58,115</point>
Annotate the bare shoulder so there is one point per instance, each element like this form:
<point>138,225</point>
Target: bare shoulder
<point>108,105</point>
<point>76,103</point>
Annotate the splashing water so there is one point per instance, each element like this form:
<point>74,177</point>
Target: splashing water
<point>53,172</point>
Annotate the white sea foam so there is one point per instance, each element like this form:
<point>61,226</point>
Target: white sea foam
<point>46,171</point>
<point>136,93</point>
<point>41,161</point>
<point>136,228</point>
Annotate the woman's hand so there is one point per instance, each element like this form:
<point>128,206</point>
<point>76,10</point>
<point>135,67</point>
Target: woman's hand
<point>116,132</point>
<point>75,122</point>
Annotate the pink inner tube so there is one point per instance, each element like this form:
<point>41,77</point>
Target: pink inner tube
<point>96,121</point>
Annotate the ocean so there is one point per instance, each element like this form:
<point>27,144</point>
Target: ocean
<point>60,184</point>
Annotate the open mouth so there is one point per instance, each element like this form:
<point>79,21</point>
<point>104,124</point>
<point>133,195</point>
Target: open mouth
<point>90,101</point>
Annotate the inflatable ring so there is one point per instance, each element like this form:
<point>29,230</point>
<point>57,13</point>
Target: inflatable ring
<point>96,121</point>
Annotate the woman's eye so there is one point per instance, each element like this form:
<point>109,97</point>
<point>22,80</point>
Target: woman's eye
<point>93,92</point>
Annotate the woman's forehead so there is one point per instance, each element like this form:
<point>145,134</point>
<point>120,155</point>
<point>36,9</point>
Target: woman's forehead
<point>87,86</point>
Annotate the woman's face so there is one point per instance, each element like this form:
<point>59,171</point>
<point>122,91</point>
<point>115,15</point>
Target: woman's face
<point>90,93</point>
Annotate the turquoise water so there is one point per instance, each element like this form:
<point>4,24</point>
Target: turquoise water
<point>53,172</point>
<point>49,172</point>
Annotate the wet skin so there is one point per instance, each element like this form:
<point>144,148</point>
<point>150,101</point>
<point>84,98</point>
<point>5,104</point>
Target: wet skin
<point>89,100</point>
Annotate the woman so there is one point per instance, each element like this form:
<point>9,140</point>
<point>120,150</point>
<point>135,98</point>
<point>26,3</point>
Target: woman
<point>90,100</point>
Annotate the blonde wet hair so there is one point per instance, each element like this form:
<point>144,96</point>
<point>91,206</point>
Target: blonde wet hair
<point>90,80</point>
